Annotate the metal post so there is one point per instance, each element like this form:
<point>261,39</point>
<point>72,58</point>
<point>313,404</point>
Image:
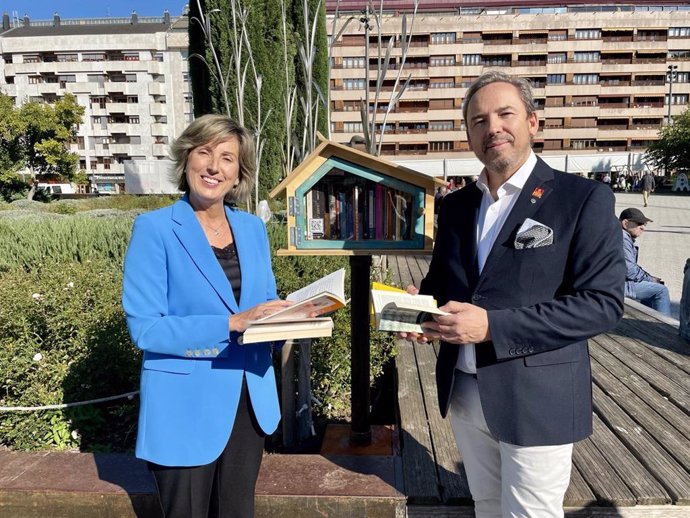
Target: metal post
<point>671,76</point>
<point>360,266</point>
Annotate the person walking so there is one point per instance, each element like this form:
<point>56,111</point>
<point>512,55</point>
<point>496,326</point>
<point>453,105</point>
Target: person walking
<point>640,285</point>
<point>648,185</point>
<point>528,263</point>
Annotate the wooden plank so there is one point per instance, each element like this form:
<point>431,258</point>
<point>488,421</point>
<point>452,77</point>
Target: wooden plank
<point>415,272</point>
<point>604,482</point>
<point>405,275</point>
<point>672,347</point>
<point>668,369</point>
<point>643,485</point>
<point>658,511</point>
<point>607,362</point>
<point>578,494</point>
<point>419,467</point>
<point>638,409</point>
<point>451,472</point>
<point>655,459</point>
<point>641,367</point>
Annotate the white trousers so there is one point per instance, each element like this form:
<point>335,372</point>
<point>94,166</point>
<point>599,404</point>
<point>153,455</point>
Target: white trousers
<point>506,481</point>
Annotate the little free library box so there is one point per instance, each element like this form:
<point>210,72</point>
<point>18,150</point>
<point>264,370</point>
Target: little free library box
<point>343,201</point>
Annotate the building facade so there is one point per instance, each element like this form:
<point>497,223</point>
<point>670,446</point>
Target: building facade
<point>130,74</point>
<point>602,74</point>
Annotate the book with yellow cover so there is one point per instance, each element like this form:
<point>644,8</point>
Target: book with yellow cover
<point>398,311</point>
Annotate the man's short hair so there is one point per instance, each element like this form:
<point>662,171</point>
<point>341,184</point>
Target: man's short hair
<point>494,76</point>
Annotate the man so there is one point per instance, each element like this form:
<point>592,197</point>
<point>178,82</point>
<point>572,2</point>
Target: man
<point>648,186</point>
<point>639,285</point>
<point>528,263</point>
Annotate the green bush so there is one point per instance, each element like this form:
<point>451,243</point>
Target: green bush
<point>63,336</point>
<point>63,339</point>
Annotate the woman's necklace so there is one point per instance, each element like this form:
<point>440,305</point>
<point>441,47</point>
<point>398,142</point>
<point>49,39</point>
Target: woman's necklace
<point>216,231</point>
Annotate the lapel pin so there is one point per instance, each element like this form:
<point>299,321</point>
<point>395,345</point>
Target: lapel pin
<point>537,193</point>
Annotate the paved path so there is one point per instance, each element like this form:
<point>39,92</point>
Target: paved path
<point>665,246</point>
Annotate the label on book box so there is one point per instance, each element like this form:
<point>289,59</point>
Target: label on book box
<point>316,228</point>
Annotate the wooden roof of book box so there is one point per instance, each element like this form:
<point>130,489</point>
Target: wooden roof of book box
<point>343,201</point>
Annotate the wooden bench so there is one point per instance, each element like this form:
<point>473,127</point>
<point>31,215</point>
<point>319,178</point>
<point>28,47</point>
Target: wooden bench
<point>636,463</point>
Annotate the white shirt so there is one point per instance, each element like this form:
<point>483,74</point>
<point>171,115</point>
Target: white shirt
<point>492,215</point>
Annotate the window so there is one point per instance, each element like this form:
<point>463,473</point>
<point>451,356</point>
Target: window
<point>553,123</point>
<point>353,84</point>
<point>7,58</point>
<point>472,59</point>
<point>93,56</point>
<point>441,125</point>
<point>583,143</point>
<point>679,32</point>
<point>587,34</point>
<point>440,38</point>
<point>441,146</point>
<point>442,82</point>
<point>682,77</point>
<point>130,56</point>
<point>158,56</point>
<point>131,78</point>
<point>133,119</point>
<point>352,127</point>
<point>132,99</point>
<point>558,35</point>
<point>586,57</point>
<point>35,80</point>
<point>679,99</point>
<point>556,57</point>
<point>586,79</point>
<point>353,62</point>
<point>65,58</point>
<point>555,79</point>
<point>442,61</point>
<point>32,58</point>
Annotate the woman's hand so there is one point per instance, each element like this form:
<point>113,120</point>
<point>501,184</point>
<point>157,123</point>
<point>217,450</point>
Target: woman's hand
<point>240,321</point>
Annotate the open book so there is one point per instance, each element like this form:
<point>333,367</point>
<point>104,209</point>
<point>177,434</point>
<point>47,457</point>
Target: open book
<point>402,312</point>
<point>301,320</point>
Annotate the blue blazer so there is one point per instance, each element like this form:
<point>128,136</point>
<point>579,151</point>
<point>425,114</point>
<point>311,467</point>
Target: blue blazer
<point>178,301</point>
<point>543,304</point>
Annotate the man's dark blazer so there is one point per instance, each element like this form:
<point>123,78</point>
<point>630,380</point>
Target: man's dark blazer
<point>543,304</point>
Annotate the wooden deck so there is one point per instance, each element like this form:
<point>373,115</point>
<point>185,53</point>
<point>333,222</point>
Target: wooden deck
<point>637,462</point>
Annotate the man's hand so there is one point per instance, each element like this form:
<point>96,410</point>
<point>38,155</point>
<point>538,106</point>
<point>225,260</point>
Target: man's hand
<point>466,324</point>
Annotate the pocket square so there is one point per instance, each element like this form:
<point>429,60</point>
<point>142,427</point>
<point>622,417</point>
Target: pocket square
<point>533,234</point>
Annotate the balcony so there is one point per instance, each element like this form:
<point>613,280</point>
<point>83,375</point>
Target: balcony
<point>158,109</point>
<point>157,88</point>
<point>159,129</point>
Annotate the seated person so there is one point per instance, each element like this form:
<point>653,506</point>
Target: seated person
<point>640,285</point>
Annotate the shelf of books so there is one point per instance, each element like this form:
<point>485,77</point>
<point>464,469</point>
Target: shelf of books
<point>354,209</point>
<point>342,201</point>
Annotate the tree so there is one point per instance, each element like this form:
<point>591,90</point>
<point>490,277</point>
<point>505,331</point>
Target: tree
<point>46,136</point>
<point>672,150</point>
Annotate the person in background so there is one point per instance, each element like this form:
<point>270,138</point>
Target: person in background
<point>195,274</point>
<point>528,263</point>
<point>640,285</point>
<point>648,185</point>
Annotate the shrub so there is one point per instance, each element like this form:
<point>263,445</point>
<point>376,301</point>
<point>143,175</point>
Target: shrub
<point>63,336</point>
<point>63,339</point>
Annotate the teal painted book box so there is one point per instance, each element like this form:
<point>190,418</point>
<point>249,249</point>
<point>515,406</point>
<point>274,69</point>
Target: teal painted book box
<point>343,201</point>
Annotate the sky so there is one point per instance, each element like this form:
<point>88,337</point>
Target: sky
<point>44,9</point>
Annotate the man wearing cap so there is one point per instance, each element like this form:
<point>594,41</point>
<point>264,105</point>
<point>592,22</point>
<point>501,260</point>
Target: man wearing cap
<point>640,285</point>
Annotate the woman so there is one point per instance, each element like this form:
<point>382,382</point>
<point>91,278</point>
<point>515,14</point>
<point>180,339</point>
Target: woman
<point>195,274</point>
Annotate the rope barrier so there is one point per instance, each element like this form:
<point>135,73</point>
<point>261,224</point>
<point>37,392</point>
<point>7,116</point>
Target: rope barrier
<point>128,395</point>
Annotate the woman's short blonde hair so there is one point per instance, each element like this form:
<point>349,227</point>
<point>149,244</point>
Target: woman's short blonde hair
<point>211,129</point>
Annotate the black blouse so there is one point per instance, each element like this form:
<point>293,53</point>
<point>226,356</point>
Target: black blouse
<point>230,262</point>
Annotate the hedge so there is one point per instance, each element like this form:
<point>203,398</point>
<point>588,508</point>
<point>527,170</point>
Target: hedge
<point>63,336</point>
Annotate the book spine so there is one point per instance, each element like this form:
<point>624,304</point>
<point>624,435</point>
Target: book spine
<point>378,211</point>
<point>371,226</point>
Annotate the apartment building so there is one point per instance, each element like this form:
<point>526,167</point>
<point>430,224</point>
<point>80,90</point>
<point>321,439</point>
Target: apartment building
<point>130,74</point>
<point>602,72</point>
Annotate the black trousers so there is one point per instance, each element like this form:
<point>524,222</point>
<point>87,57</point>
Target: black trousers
<point>223,488</point>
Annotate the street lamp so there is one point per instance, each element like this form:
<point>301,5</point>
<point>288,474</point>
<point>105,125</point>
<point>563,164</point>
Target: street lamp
<point>672,74</point>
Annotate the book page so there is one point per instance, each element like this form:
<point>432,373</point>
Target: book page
<point>333,283</point>
<point>382,298</point>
